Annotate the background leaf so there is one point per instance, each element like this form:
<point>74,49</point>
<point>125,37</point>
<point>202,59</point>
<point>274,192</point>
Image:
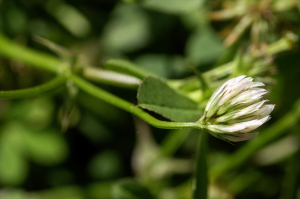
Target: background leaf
<point>13,167</point>
<point>13,164</point>
<point>46,147</point>
<point>130,189</point>
<point>162,65</point>
<point>154,94</point>
<point>127,30</point>
<point>203,47</point>
<point>161,38</point>
<point>173,6</point>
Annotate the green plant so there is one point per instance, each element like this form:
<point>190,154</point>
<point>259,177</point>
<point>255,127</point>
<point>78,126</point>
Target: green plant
<point>192,105</point>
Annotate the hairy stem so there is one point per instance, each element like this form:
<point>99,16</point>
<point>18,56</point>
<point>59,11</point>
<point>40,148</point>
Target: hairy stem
<point>127,106</point>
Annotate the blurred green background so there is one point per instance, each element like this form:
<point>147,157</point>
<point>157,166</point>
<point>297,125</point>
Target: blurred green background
<point>55,146</point>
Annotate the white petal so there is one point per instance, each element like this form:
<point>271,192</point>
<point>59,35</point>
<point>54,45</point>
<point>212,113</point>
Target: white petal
<point>242,127</point>
<point>255,124</point>
<point>246,97</point>
<point>240,77</point>
<point>227,128</point>
<point>250,109</point>
<point>249,95</point>
<point>234,90</point>
<point>239,137</point>
<point>265,110</point>
<point>256,84</point>
<point>221,89</point>
<point>212,98</point>
<point>242,82</point>
<point>241,112</point>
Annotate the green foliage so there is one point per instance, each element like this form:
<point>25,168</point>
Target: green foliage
<point>173,6</point>
<point>13,166</point>
<point>46,148</point>
<point>105,165</point>
<point>62,136</point>
<point>127,30</point>
<point>69,17</point>
<point>162,65</point>
<point>196,47</point>
<point>154,94</point>
<point>26,136</point>
<point>130,189</point>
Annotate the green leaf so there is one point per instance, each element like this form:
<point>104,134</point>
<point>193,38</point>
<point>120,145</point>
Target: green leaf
<point>62,192</point>
<point>13,167</point>
<point>130,189</point>
<point>203,47</point>
<point>47,148</point>
<point>12,193</point>
<point>195,19</point>
<point>173,6</point>
<point>99,189</point>
<point>154,94</point>
<point>127,30</point>
<point>36,112</point>
<point>105,165</point>
<point>162,65</point>
<point>69,17</point>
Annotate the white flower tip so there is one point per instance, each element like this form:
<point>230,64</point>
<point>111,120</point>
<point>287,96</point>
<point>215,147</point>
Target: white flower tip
<point>257,84</point>
<point>270,106</point>
<point>240,77</point>
<point>254,124</point>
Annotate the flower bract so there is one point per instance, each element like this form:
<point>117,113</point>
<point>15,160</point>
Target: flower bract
<point>235,109</point>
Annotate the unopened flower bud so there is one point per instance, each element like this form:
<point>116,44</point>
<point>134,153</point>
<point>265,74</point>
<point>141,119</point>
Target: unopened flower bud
<point>235,109</point>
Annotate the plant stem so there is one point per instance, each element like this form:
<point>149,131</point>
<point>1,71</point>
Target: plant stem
<point>40,60</point>
<point>29,92</point>
<point>126,67</point>
<point>282,44</point>
<point>127,106</point>
<point>50,63</point>
<point>200,183</point>
<point>238,30</point>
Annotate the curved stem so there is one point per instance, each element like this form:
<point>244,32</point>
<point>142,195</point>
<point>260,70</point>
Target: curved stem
<point>29,92</point>
<point>127,106</point>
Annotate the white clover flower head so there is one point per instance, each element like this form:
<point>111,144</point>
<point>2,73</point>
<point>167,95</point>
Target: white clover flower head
<point>235,109</point>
